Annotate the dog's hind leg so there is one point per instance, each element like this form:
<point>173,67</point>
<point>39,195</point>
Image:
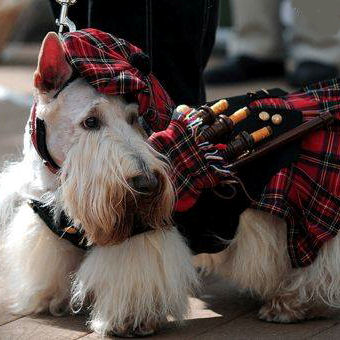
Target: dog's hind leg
<point>137,284</point>
<point>257,261</point>
<point>37,265</point>
<point>309,292</point>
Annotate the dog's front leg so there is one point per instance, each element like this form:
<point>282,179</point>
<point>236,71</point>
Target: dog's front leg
<point>37,265</point>
<point>136,285</point>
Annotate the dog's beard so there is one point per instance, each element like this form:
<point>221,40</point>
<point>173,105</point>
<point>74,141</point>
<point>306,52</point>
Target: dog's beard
<point>95,194</point>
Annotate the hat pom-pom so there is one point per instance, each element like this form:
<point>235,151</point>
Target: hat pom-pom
<point>141,62</point>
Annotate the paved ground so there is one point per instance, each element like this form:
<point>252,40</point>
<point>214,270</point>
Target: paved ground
<point>218,313</point>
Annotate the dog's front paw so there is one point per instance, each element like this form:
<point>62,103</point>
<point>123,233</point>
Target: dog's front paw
<point>283,309</point>
<point>136,285</point>
<point>129,331</point>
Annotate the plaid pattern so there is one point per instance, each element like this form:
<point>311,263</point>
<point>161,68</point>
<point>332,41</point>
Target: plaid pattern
<point>104,62</point>
<point>190,172</point>
<point>307,195</point>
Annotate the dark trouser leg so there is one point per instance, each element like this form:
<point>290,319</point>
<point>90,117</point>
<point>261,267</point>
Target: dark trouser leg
<point>182,36</point>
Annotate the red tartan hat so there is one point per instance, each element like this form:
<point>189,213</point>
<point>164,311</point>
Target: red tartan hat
<point>115,67</point>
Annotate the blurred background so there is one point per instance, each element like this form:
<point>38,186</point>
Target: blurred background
<point>24,24</point>
<point>259,44</point>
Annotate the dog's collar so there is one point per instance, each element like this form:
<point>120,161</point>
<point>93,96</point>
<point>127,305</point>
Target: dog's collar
<point>63,226</point>
<point>37,131</point>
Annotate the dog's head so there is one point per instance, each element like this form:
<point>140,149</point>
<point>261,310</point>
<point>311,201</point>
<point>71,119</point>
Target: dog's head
<point>112,182</point>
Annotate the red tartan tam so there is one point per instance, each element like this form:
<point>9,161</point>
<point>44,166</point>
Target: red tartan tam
<point>113,66</point>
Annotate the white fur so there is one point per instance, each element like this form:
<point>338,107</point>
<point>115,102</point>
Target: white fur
<point>132,287</point>
<point>146,277</point>
<point>37,265</point>
<point>257,261</point>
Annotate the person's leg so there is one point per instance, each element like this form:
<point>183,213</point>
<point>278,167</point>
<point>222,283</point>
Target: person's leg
<point>255,44</point>
<point>183,41</point>
<point>256,29</point>
<point>180,40</point>
<point>315,43</point>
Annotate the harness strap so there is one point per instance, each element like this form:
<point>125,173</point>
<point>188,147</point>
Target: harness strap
<point>63,227</point>
<point>38,131</point>
<point>38,138</point>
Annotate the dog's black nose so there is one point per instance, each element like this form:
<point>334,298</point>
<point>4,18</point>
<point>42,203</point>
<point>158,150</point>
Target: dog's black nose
<point>146,184</point>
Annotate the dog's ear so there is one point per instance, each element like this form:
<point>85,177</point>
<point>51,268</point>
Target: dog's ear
<point>53,69</point>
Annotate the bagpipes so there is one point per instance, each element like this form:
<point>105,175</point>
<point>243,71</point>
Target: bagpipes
<point>212,124</point>
<point>270,150</point>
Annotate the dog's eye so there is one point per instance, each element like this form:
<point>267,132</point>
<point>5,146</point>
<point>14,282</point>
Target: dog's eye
<point>91,123</point>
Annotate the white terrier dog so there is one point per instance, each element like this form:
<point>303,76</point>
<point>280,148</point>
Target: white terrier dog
<point>109,177</point>
<point>110,181</point>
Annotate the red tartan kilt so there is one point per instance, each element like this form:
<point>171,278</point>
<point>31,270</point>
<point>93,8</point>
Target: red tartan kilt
<point>307,195</point>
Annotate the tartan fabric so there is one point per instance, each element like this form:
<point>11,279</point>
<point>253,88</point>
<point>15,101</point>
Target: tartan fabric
<point>106,63</point>
<point>190,172</point>
<point>307,194</point>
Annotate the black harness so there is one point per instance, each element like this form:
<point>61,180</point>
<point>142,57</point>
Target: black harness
<point>63,226</point>
<point>37,131</point>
